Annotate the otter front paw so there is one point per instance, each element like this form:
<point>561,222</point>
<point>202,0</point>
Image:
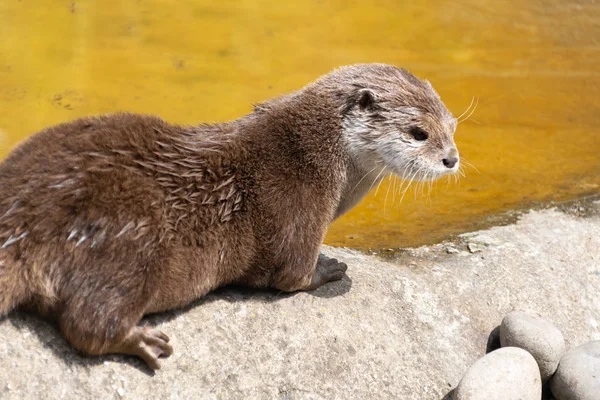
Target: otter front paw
<point>331,268</point>
<point>327,270</point>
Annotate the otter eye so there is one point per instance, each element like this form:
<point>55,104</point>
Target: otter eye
<point>418,134</point>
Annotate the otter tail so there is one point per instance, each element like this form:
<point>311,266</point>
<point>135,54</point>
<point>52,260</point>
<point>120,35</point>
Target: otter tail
<point>13,290</point>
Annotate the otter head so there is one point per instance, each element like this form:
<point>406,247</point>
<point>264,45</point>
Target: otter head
<point>394,122</point>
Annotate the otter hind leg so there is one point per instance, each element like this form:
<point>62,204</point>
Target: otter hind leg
<point>116,334</point>
<point>99,313</point>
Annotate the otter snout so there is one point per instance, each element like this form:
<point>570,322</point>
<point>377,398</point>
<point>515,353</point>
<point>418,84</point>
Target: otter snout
<point>450,162</point>
<point>451,159</point>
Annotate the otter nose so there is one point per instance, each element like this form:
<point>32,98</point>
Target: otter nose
<point>450,162</point>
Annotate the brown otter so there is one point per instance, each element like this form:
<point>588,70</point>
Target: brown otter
<point>106,219</point>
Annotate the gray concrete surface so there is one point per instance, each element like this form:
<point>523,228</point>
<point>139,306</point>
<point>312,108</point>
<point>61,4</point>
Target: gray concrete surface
<point>406,326</point>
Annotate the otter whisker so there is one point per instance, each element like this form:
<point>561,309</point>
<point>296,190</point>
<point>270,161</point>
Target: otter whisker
<point>472,111</point>
<point>379,184</point>
<point>393,186</point>
<point>421,185</point>
<point>361,179</point>
<point>420,188</point>
<point>428,183</point>
<point>375,180</point>
<point>469,164</point>
<point>429,189</point>
<point>399,182</point>
<point>386,194</point>
<point>408,186</point>
<point>398,188</point>
<point>467,110</point>
<point>425,182</point>
<point>459,175</point>
<point>404,178</point>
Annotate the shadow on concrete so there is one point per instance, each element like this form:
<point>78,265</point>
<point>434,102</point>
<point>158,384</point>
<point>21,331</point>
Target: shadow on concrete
<point>51,338</point>
<point>493,342</point>
<point>234,294</point>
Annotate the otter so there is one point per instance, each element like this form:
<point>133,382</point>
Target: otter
<point>106,219</point>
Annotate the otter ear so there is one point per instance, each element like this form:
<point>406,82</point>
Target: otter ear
<point>366,100</point>
<point>362,99</point>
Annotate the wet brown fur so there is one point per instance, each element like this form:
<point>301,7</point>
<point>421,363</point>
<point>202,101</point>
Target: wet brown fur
<point>106,219</point>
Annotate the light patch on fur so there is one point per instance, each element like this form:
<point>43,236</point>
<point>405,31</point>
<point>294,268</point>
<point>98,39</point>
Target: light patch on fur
<point>125,229</point>
<point>62,184</point>
<point>222,253</point>
<point>39,277</point>
<point>412,111</point>
<point>72,234</point>
<point>13,239</point>
<point>81,240</point>
<point>11,209</point>
<point>354,128</point>
<point>81,235</point>
<point>49,290</point>
<point>99,237</point>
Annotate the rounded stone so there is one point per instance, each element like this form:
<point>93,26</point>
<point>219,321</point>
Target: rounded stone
<point>505,374</point>
<point>578,374</point>
<point>536,335</point>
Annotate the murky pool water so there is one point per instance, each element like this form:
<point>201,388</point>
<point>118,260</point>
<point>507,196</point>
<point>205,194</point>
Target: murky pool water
<point>535,135</point>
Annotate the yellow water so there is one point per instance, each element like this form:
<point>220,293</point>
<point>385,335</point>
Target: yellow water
<point>535,135</point>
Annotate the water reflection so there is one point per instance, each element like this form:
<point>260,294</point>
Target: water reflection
<point>533,66</point>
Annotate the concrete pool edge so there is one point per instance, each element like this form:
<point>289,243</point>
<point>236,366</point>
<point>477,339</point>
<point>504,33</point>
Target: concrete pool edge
<point>581,206</point>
